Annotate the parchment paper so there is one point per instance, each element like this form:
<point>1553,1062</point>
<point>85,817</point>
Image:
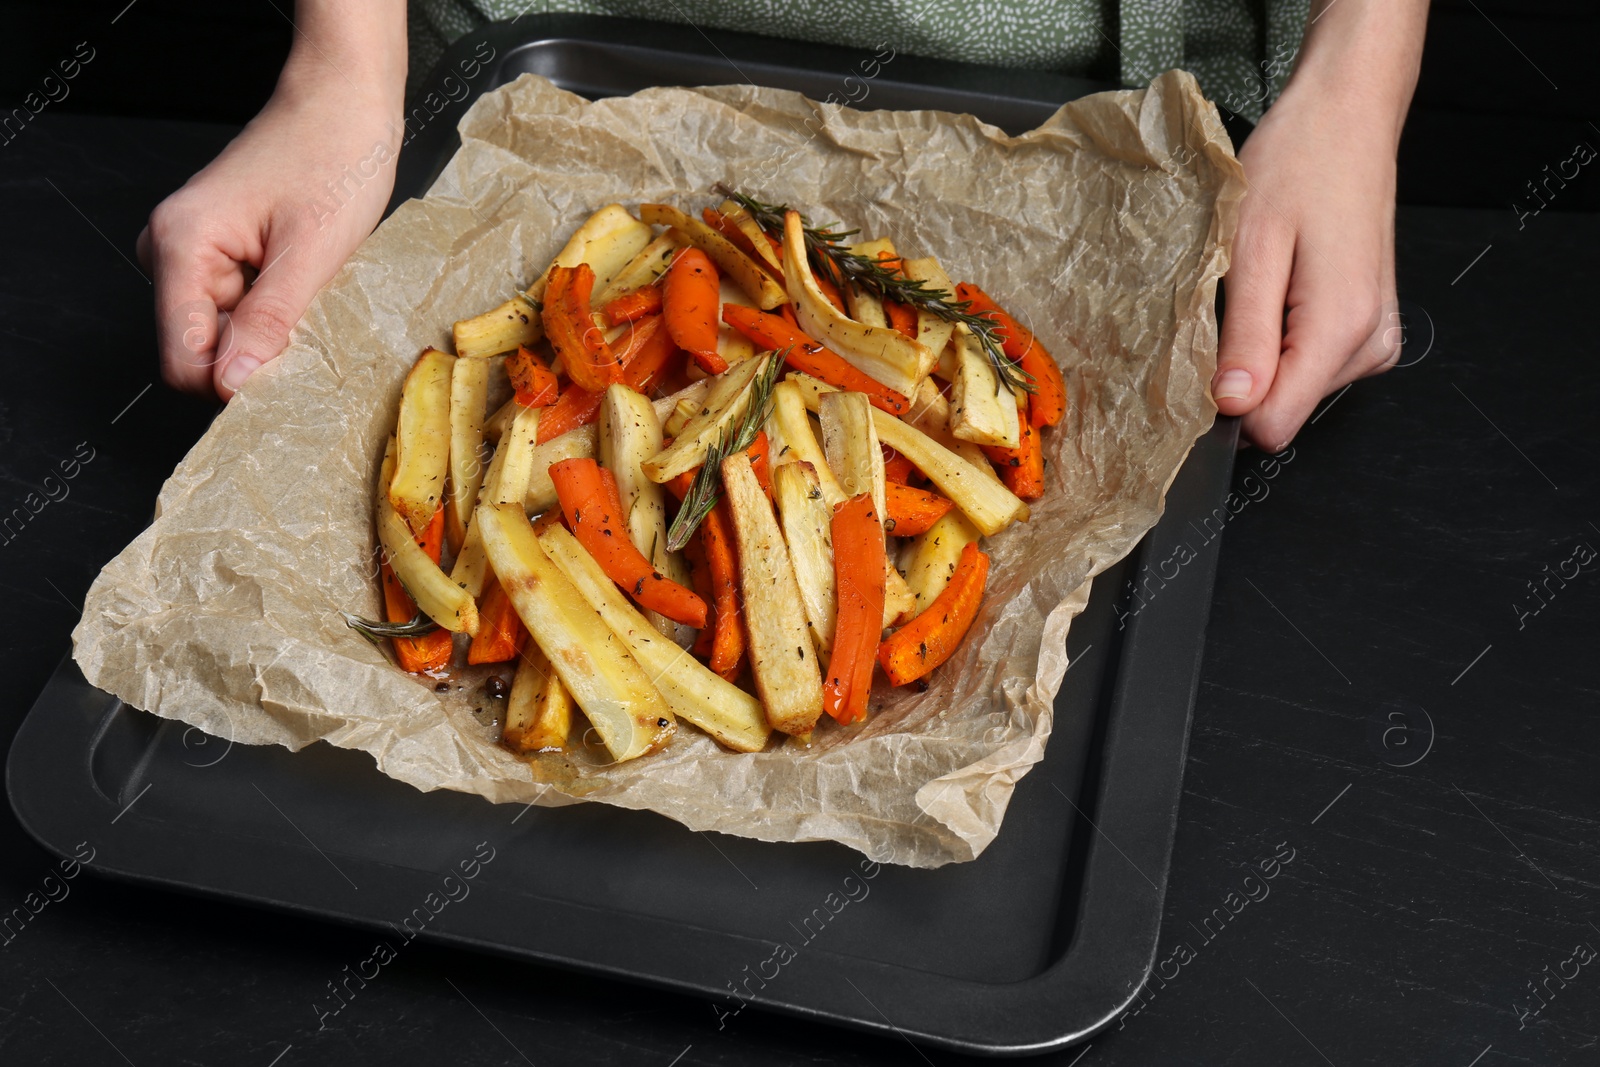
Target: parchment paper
<point>1105,230</point>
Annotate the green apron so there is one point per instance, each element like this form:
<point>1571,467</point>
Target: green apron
<point>1241,51</point>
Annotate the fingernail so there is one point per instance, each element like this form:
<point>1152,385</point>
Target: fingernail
<point>1233,385</point>
<point>234,374</point>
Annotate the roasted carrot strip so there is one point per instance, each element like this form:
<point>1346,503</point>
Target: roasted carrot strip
<point>501,635</point>
<point>912,511</point>
<point>929,639</point>
<point>416,654</point>
<point>1049,402</point>
<point>433,650</point>
<point>829,290</point>
<point>1021,468</point>
<point>760,453</point>
<point>673,376</point>
<point>722,564</point>
<point>727,645</point>
<point>897,468</point>
<point>608,485</point>
<point>570,326</point>
<point>806,355</point>
<point>1013,338</point>
<point>631,307</point>
<point>700,574</point>
<point>644,357</point>
<point>724,225</point>
<point>576,407</point>
<point>432,539</point>
<point>534,382</point>
<point>858,567</point>
<point>645,354</point>
<point>903,317</point>
<point>689,305</point>
<point>595,516</point>
<point>679,485</point>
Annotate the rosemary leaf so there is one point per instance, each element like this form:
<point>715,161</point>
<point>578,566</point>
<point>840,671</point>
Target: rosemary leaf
<point>419,626</point>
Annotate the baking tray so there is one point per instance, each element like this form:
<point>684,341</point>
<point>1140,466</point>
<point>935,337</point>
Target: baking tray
<point>1031,947</point>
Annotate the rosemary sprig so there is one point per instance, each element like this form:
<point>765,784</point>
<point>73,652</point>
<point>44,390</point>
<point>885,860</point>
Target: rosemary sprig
<point>419,626</point>
<point>830,256</point>
<point>706,488</point>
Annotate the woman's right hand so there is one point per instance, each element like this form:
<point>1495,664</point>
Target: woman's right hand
<point>239,251</point>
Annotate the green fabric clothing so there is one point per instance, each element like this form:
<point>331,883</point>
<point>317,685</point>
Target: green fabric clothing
<point>1241,51</point>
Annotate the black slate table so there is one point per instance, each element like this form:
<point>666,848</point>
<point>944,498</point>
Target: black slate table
<point>1396,720</point>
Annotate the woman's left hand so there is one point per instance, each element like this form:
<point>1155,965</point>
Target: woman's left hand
<point>1310,293</point>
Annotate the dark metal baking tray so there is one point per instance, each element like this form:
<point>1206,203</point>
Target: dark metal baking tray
<point>1034,945</point>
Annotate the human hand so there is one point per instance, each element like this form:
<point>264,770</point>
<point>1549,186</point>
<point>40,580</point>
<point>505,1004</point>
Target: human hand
<point>239,251</point>
<point>1311,290</point>
<point>1312,277</point>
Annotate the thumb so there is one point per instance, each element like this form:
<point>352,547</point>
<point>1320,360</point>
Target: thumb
<point>1252,320</point>
<point>256,330</point>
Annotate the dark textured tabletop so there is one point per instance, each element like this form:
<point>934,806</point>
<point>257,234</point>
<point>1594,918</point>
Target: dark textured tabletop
<point>1396,717</point>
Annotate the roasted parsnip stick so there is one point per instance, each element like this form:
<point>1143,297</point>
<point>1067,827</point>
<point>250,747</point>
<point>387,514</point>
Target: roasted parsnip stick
<point>694,692</point>
<point>469,391</point>
<point>423,440</point>
<point>539,710</point>
<point>625,708</point>
<point>808,532</point>
<point>782,656</point>
<point>881,353</point>
<point>989,504</point>
<point>980,410</point>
